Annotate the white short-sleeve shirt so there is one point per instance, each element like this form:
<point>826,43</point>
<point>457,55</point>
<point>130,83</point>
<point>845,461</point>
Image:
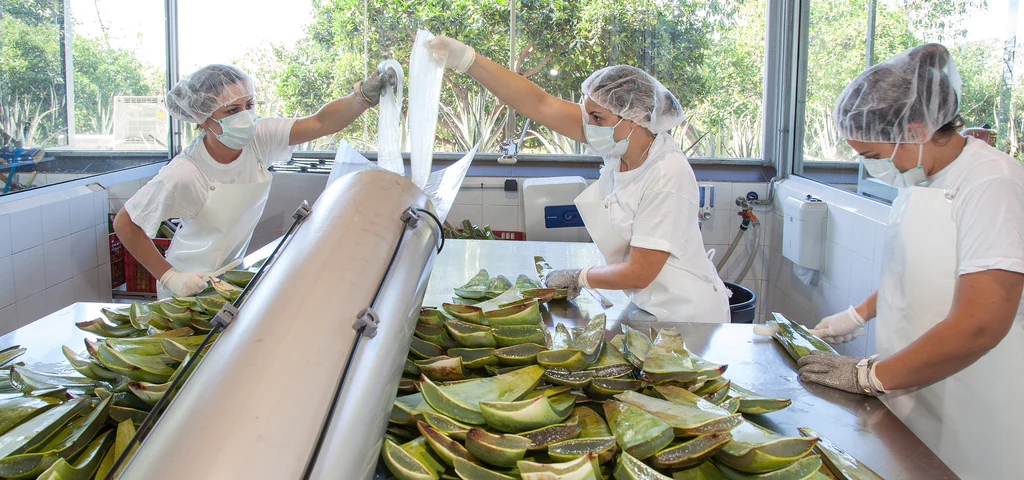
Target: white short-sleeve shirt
<point>988,208</point>
<point>181,188</point>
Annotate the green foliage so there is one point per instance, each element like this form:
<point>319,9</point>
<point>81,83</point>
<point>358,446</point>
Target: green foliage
<point>31,79</point>
<point>101,73</point>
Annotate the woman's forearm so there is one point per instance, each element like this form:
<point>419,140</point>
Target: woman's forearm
<point>639,271</point>
<point>134,238</point>
<point>868,309</point>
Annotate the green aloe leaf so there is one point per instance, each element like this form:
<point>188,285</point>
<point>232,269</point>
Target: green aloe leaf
<point>690,451</point>
<point>525,415</point>
<point>403,465</point>
<point>476,287</point>
<point>527,313</point>
<point>498,450</point>
<point>37,429</point>
<point>629,468</point>
<point>754,449</point>
<point>461,401</point>
<point>14,411</point>
<point>442,368</point>
<point>526,283</point>
<point>591,340</point>
<point>28,380</point>
<point>583,468</point>
<point>87,366</point>
<point>638,432</point>
<point>843,465</point>
<point>84,464</point>
<point>753,403</point>
<point>797,341</point>
<point>9,354</point>
<point>803,469</point>
<point>445,448</point>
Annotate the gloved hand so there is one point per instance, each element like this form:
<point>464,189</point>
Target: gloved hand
<point>841,372</point>
<point>841,327</point>
<point>567,279</point>
<point>460,56</point>
<point>184,284</point>
<point>368,91</point>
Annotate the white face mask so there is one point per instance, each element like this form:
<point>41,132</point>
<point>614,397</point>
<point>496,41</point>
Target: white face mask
<point>885,171</point>
<point>602,139</point>
<point>238,130</point>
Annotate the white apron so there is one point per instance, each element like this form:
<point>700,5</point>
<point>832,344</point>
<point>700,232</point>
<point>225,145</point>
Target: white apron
<point>221,232</point>
<point>675,295</point>
<point>972,421</point>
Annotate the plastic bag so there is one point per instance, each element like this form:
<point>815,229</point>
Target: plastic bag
<point>443,185</point>
<point>426,73</point>
<point>389,129</point>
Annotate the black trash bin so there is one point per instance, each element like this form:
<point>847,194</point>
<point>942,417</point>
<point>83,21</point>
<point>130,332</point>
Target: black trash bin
<point>741,304</point>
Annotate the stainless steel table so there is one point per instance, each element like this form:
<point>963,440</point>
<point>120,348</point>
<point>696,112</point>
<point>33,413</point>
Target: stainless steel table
<point>861,425</point>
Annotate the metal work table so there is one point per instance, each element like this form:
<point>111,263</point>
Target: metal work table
<point>861,425</point>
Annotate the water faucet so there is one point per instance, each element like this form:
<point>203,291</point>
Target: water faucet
<point>509,149</point>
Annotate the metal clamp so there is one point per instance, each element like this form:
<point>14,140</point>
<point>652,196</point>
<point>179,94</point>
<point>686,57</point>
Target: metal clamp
<point>367,322</point>
<point>302,212</point>
<point>225,315</point>
<point>410,218</point>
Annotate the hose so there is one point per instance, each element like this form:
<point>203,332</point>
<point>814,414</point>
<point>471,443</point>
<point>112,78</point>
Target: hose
<point>753,253</point>
<point>735,241</point>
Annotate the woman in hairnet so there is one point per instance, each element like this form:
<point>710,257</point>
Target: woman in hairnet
<point>218,185</point>
<point>950,333</point>
<point>642,211</point>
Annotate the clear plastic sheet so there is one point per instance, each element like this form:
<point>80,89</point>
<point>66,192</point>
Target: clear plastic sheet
<point>389,128</point>
<point>443,185</point>
<point>426,73</point>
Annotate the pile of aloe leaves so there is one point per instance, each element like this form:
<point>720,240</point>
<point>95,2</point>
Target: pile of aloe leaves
<point>75,424</point>
<point>490,392</point>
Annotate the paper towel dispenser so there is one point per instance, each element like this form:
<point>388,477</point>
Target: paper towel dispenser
<point>803,231</point>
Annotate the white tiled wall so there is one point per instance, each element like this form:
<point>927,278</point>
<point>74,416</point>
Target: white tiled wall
<point>54,251</point>
<point>854,234</point>
<point>484,201</point>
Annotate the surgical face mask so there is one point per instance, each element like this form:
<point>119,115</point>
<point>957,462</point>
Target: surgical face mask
<point>602,139</point>
<point>886,172</point>
<point>237,130</point>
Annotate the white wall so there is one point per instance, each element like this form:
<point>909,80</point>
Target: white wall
<point>54,251</point>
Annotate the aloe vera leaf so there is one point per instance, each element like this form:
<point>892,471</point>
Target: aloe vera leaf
<point>239,278</point>
<point>690,452</point>
<point>754,449</point>
<point>719,391</point>
<point>150,393</point>
<point>592,339</point>
<point>519,355</point>
<point>431,316</point>
<point>35,430</point>
<point>226,290</point>
<point>526,283</point>
<point>686,419</point>
<point>629,468</point>
<point>569,378</point>
<point>527,313</point>
<point>178,348</point>
<point>605,388</point>
<point>476,287</point>
<point>583,468</point>
<point>754,403</point>
<point>635,345</point>
<point>843,465</point>
<point>571,360</point>
<point>508,336</point>
<point>604,447</point>
<point>124,414</point>
<point>85,463</point>
<point>461,401</point>
<point>704,471</point>
<point>28,380</point>
<point>87,366</point>
<point>561,339</point>
<point>145,346</point>
<point>175,333</point>
<point>509,296</point>
<point>211,303</point>
<point>802,469</point>
<point>669,360</point>
<point>445,448</point>
<point>403,465</point>
<point>638,432</point>
<point>497,285</point>
<point>468,470</point>
<point>543,267</point>
<point>525,415</point>
<point>14,411</point>
<point>420,449</point>
<point>143,368</point>
<point>9,354</point>
<point>475,357</point>
<point>797,341</point>
<point>591,424</point>
<point>64,443</point>
<point>442,368</point>
<point>498,450</point>
<point>103,329</point>
<point>408,407</point>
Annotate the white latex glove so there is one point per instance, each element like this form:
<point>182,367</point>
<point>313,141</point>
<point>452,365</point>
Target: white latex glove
<point>184,284</point>
<point>460,56</point>
<point>841,327</point>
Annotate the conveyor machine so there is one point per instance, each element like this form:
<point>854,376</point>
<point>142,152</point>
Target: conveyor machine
<point>301,382</point>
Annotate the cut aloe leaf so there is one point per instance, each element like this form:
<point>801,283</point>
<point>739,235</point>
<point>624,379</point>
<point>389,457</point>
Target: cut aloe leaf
<point>475,357</point>
<point>431,316</point>
<point>175,333</point>
<point>446,426</point>
<point>543,267</point>
<point>519,355</point>
<point>589,343</point>
<point>635,345</point>
<point>753,403</point>
<point>441,368</point>
<point>704,471</point>
<point>561,376</point>
<point>629,468</point>
<point>226,289</point>
<point>521,416</point>
<point>87,366</point>
<point>843,465</point>
<point>85,463</point>
<point>410,368</point>
<point>445,448</point>
<point>561,339</point>
<point>14,411</point>
<point>717,391</point>
<point>28,380</point>
<point>471,335</point>
<point>795,338</point>
<point>610,356</point>
<point>146,346</point>
<point>510,335</point>
<point>429,333</point>
<point>117,316</point>
<point>476,287</point>
<point>497,285</point>
<point>571,360</point>
<point>178,348</point>
<point>604,448</point>
<point>591,424</point>
<point>461,401</point>
<point>732,405</point>
<point>691,451</point>
<point>238,278</point>
<point>526,283</point>
<point>211,303</point>
<point>73,437</point>
<point>604,388</point>
<point>124,434</point>
<point>522,314</point>
<point>103,329</point>
<point>470,471</point>
<point>546,391</point>
<point>466,313</point>
<point>124,414</point>
<point>408,407</point>
<point>420,449</point>
<point>149,393</point>
<point>421,349</point>
<point>541,438</point>
<point>541,295</point>
<point>638,432</point>
<point>403,465</point>
<point>583,468</point>
<point>802,469</point>
<point>754,449</point>
<point>9,354</point>
<point>498,450</point>
<point>687,413</point>
<point>668,360</point>
<point>34,431</point>
<point>136,367</point>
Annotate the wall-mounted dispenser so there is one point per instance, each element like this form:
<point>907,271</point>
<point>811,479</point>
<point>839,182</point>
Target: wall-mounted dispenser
<point>707,200</point>
<point>803,231</point>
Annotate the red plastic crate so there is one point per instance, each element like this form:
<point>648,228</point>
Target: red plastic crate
<point>137,278</point>
<point>509,235</point>
<point>116,261</point>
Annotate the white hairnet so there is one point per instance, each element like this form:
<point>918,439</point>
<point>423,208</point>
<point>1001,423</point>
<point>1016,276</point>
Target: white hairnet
<point>919,86</point>
<point>195,97</point>
<point>634,95</point>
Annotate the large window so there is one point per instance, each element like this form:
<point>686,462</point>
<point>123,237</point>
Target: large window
<point>846,36</point>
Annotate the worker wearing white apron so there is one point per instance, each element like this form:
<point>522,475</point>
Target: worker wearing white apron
<point>642,211</point>
<point>219,184</point>
<point>950,332</point>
